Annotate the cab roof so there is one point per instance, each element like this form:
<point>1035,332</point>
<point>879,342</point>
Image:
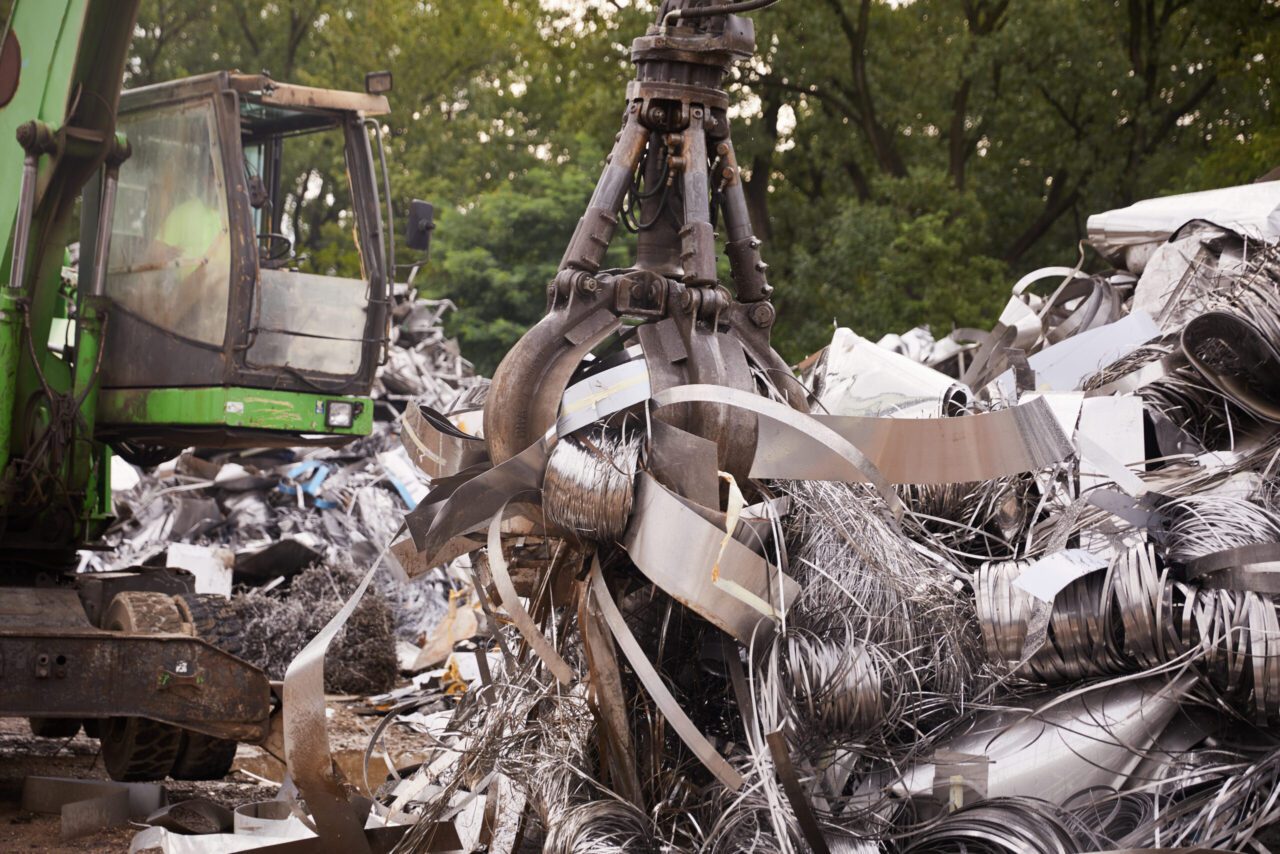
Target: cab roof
<point>263,101</point>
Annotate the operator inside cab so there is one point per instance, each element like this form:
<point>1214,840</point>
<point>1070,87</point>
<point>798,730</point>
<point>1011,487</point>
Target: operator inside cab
<point>171,247</point>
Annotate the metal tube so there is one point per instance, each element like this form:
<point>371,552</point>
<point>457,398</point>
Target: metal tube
<point>102,243</point>
<point>391,215</point>
<point>22,229</point>
<point>742,246</point>
<point>737,217</point>
<point>388,275</point>
<point>11,308</point>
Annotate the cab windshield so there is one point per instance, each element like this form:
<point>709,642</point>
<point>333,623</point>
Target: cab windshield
<point>170,261</point>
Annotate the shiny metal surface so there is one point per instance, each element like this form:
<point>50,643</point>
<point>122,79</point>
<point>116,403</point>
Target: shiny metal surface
<point>920,450</point>
<point>720,578</point>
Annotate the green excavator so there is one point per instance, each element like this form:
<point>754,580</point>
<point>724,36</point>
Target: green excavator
<point>190,321</point>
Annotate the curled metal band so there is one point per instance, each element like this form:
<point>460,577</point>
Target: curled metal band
<point>717,576</point>
<point>435,522</point>
<point>963,449</point>
<point>1136,617</point>
<point>436,446</point>
<point>844,460</point>
<point>1081,638</point>
<point>511,602</point>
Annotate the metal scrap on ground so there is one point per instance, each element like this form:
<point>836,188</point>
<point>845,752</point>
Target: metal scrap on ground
<point>291,529</point>
<point>1008,591</point>
<point>1064,640</point>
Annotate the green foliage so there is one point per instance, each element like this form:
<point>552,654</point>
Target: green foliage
<point>906,161</point>
<point>496,257</point>
<point>910,256</point>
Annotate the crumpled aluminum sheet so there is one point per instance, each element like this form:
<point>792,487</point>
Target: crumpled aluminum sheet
<point>856,377</point>
<point>1251,210</point>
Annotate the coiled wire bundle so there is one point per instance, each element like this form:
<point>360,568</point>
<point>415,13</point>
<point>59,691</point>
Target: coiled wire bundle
<point>1191,403</point>
<point>838,686</point>
<point>1114,815</point>
<point>1232,635</point>
<point>1142,597</point>
<point>1082,637</point>
<point>1006,826</point>
<point>1203,524</point>
<point>863,584</point>
<point>601,827</point>
<point>1237,635</point>
<point>971,521</point>
<point>589,487</point>
<point>1136,617</point>
<point>1232,805</point>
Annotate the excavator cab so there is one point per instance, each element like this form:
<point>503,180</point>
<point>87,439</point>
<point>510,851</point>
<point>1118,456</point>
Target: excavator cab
<point>223,333</point>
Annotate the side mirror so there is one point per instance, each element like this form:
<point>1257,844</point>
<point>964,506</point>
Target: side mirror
<point>421,224</point>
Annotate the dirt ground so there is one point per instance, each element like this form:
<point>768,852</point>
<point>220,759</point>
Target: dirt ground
<point>22,754</point>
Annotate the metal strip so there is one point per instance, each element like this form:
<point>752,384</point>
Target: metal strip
<point>850,463</point>
<point>1098,456</point>
<point>684,566</point>
<point>791,786</point>
<point>603,394</point>
<point>511,602</point>
<point>1261,554</point>
<point>473,503</point>
<point>963,449</point>
<point>685,728</point>
<point>436,446</point>
<point>1253,568</point>
<point>306,737</point>
<point>609,698</point>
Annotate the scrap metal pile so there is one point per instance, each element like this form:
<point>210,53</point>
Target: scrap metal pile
<point>1026,605</point>
<point>289,529</point>
<point>1019,598</point>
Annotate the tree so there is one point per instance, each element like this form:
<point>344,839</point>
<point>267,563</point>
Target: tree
<point>497,256</point>
<point>1040,112</point>
<point>904,161</point>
